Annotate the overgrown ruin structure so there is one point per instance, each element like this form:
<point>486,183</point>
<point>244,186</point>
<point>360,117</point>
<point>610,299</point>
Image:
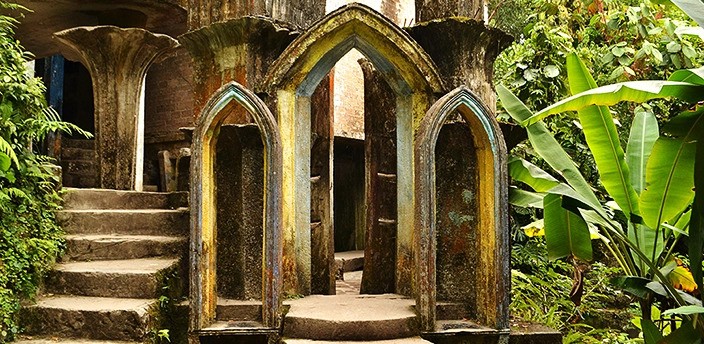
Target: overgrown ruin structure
<point>300,129</point>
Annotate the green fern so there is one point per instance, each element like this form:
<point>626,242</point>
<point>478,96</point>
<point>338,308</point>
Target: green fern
<point>6,148</point>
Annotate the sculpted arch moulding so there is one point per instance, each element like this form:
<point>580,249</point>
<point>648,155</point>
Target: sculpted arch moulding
<point>293,78</point>
<point>203,204</point>
<point>493,271</point>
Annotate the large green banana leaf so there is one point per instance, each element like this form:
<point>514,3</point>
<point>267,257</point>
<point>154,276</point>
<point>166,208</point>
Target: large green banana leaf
<point>670,170</point>
<point>603,141</point>
<point>547,147</point>
<point>644,132</point>
<point>566,233</point>
<point>635,91</point>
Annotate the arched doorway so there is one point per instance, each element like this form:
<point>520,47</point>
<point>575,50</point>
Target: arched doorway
<point>487,302</point>
<point>203,289</point>
<point>293,79</point>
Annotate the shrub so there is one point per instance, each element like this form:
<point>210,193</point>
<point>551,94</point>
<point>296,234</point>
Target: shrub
<point>30,239</point>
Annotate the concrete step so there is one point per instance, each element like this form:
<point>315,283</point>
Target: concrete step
<point>87,317</point>
<point>411,340</point>
<point>131,278</point>
<point>238,310</point>
<point>58,340</point>
<point>349,261</point>
<point>70,153</point>
<point>87,247</point>
<point>351,317</point>
<point>125,221</point>
<point>85,199</point>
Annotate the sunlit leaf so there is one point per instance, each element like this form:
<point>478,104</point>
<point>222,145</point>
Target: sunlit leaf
<point>681,278</point>
<point>566,233</point>
<point>535,228</point>
<point>670,170</point>
<point>644,132</point>
<point>602,137</point>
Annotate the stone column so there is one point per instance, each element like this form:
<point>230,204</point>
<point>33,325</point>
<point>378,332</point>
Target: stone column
<point>118,60</point>
<point>238,50</point>
<point>380,153</point>
<point>427,10</point>
<point>464,51</point>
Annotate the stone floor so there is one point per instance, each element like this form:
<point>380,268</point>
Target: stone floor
<point>351,264</point>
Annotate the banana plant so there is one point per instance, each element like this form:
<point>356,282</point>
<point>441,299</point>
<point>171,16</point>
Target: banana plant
<point>651,182</point>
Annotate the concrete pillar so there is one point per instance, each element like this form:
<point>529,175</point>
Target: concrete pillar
<point>321,201</point>
<point>380,147</point>
<point>238,50</point>
<point>427,10</point>
<point>118,60</point>
<point>464,51</point>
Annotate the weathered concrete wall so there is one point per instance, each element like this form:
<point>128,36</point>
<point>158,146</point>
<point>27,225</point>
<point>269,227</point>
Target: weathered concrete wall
<point>457,216</point>
<point>427,10</point>
<point>240,50</point>
<point>205,12</point>
<point>168,107</point>
<point>301,13</point>
<point>464,51</point>
<point>380,184</point>
<point>348,92</point>
<point>169,98</point>
<point>240,202</point>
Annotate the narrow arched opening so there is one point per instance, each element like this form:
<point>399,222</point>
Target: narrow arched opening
<point>461,216</point>
<point>411,81</point>
<point>235,216</point>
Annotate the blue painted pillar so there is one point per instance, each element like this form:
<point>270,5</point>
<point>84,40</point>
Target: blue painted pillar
<point>54,81</point>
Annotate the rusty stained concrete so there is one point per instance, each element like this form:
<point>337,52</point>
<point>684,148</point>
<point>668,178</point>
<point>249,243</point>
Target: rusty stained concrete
<point>240,207</point>
<point>47,17</point>
<point>294,76</point>
<point>240,50</point>
<point>380,187</point>
<point>118,60</point>
<point>464,51</point>
<point>289,83</point>
<point>203,202</point>
<point>427,10</point>
<point>492,272</point>
<point>300,13</point>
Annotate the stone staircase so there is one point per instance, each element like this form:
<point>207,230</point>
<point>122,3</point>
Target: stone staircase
<point>337,319</point>
<point>120,245</point>
<point>78,163</point>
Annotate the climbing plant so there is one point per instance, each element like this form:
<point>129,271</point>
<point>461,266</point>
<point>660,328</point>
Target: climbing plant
<point>30,238</point>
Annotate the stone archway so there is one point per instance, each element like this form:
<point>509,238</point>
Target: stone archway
<point>492,268</point>
<point>203,294</point>
<point>293,78</point>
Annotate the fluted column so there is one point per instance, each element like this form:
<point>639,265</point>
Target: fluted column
<point>427,10</point>
<point>118,60</point>
<point>464,51</point>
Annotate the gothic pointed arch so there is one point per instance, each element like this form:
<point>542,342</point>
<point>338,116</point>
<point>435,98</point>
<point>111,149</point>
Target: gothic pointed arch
<point>492,282</point>
<point>308,58</point>
<point>203,294</point>
<point>293,78</point>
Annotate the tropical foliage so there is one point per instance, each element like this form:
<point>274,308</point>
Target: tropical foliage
<point>638,201</point>
<point>653,189</point>
<point>30,239</point>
